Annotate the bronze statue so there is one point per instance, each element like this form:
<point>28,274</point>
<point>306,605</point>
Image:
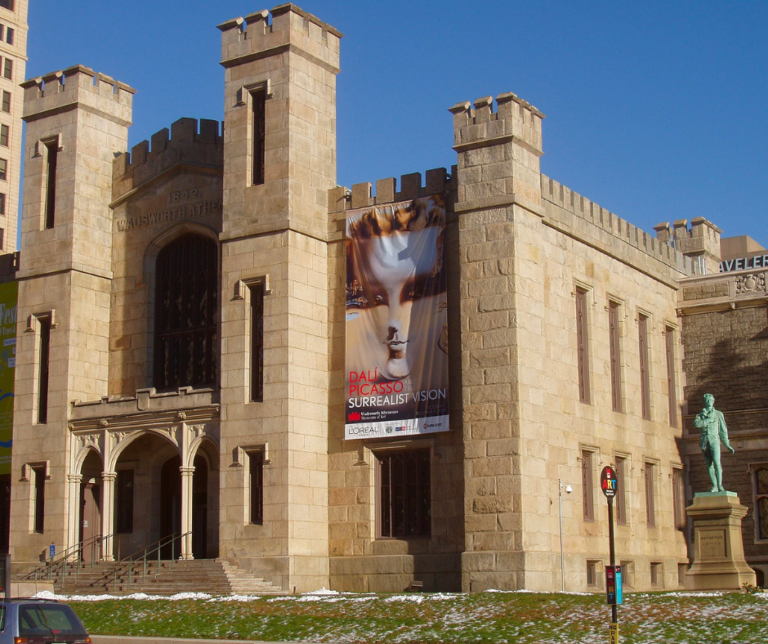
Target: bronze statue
<point>713,430</point>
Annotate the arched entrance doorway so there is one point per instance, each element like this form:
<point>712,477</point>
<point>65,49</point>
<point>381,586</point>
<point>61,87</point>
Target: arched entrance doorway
<point>90,506</point>
<point>170,508</point>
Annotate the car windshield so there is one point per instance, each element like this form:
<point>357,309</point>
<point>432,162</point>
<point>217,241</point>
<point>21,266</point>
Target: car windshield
<point>48,619</point>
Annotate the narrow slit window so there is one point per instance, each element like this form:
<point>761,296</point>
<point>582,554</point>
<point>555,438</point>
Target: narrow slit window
<point>582,341</point>
<point>620,502</point>
<point>256,486</point>
<point>39,500</point>
<point>650,497</point>
<point>587,486</point>
<point>6,105</point>
<point>5,135</point>
<point>258,107</point>
<point>43,369</point>
<point>257,342</point>
<point>9,33</point>
<point>51,160</point>
<point>3,169</point>
<point>671,379</point>
<point>645,378</point>
<point>2,203</point>
<point>2,239</point>
<point>613,323</point>
<point>8,68</point>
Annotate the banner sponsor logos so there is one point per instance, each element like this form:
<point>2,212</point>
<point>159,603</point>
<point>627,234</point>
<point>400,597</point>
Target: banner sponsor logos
<point>8,307</point>
<point>396,320</point>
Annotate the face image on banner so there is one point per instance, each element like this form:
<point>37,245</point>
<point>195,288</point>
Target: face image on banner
<point>396,320</point>
<point>8,299</point>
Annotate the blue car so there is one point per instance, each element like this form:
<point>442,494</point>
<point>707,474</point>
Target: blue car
<point>40,621</point>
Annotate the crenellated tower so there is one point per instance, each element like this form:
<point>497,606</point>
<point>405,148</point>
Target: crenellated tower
<point>279,163</point>
<point>77,120</point>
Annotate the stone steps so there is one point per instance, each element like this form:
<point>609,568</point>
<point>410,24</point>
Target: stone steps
<point>212,576</point>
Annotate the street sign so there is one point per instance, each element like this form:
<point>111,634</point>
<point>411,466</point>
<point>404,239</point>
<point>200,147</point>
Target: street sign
<point>613,591</point>
<point>52,551</point>
<point>609,482</point>
<point>614,633</point>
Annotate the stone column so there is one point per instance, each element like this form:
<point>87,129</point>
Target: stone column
<point>187,478</point>
<point>75,518</point>
<point>108,515</point>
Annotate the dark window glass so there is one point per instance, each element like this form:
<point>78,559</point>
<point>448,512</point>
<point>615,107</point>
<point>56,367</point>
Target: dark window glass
<point>43,368</point>
<point>257,342</point>
<point>405,496</point>
<point>256,465</point>
<point>186,313</point>
<point>4,135</point>
<point>2,203</point>
<point>620,502</point>
<point>259,130</point>
<point>3,169</point>
<point>2,238</point>
<point>6,105</point>
<point>587,486</point>
<point>51,159</point>
<point>761,502</point>
<point>39,499</point>
<point>582,340</point>
<point>613,322</point>
<point>9,35</point>
<point>49,621</point>
<point>650,499</point>
<point>671,380</point>
<point>8,4</point>
<point>124,500</point>
<point>678,498</point>
<point>645,377</point>
<point>8,68</point>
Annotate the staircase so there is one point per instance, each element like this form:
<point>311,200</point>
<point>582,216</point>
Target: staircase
<point>211,576</point>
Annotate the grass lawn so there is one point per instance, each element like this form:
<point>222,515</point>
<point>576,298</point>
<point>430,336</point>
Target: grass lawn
<point>498,617</point>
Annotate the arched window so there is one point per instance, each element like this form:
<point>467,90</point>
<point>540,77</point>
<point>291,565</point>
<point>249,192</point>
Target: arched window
<point>186,307</point>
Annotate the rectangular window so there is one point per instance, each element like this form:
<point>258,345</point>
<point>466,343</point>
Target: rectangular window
<point>628,573</point>
<point>256,474</point>
<point>587,486</point>
<point>404,494</point>
<point>2,203</point>
<point>51,159</point>
<point>5,132</point>
<point>258,105</point>
<point>2,32</point>
<point>620,502</point>
<point>3,169</point>
<point>43,367</point>
<point>124,502</point>
<point>2,239</point>
<point>657,573</point>
<point>681,570</point>
<point>593,578</point>
<point>6,106</point>
<point>613,326</point>
<point>671,381</point>
<point>9,33</point>
<point>760,495</point>
<point>257,342</point>
<point>39,473</point>
<point>650,498</point>
<point>645,378</point>
<point>582,340</point>
<point>8,68</point>
<point>8,4</point>
<point>678,498</point>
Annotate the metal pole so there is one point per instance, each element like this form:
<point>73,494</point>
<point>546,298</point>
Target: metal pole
<point>562,553</point>
<point>614,608</point>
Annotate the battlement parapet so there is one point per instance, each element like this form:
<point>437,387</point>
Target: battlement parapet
<point>61,90</point>
<point>701,242</point>
<point>514,118</point>
<point>438,181</point>
<point>255,36</point>
<point>183,143</point>
<point>617,235</point>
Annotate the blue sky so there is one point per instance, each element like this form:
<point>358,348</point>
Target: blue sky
<point>655,110</point>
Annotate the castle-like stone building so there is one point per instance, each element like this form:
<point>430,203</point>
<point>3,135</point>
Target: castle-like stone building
<point>184,328</point>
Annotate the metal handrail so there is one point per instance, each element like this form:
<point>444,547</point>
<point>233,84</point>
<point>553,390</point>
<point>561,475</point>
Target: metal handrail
<point>63,559</point>
<point>148,552</point>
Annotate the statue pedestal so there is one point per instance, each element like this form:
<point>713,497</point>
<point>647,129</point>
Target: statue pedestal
<point>718,549</point>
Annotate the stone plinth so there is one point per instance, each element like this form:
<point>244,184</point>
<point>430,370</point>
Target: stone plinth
<point>718,549</point>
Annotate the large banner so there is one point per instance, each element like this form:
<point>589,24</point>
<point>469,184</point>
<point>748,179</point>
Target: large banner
<point>397,320</point>
<point>8,301</point>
